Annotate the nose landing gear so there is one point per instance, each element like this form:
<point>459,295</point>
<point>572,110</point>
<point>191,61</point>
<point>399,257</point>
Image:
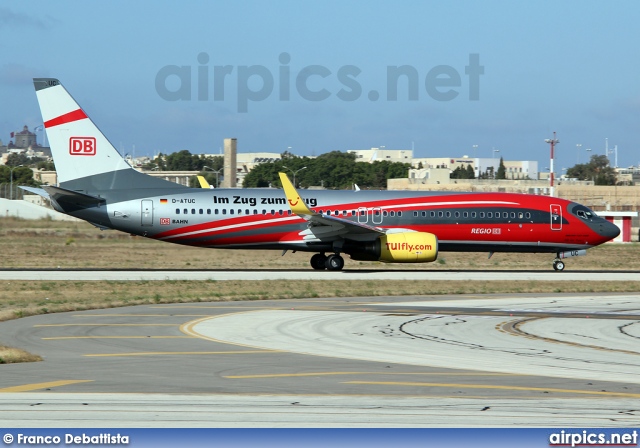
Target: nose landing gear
<point>558,264</point>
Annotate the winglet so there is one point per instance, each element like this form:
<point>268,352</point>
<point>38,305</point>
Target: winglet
<point>293,198</point>
<point>203,182</point>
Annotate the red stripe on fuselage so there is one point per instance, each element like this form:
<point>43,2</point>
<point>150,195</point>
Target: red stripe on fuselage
<point>66,118</point>
<point>225,226</point>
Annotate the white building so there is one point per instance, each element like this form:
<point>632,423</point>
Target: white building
<point>390,155</point>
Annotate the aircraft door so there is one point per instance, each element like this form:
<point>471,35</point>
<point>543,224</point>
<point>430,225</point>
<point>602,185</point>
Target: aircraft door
<point>147,212</point>
<point>363,216</point>
<point>556,217</point>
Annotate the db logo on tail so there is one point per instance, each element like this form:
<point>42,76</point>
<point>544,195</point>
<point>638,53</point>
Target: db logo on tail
<point>82,146</point>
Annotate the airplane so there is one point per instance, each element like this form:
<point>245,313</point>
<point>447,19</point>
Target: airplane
<point>97,185</point>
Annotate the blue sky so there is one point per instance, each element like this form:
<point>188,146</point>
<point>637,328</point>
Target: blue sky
<point>566,66</point>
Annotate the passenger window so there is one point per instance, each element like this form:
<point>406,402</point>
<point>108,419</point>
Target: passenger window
<point>255,212</point>
<point>465,214</point>
<point>527,215</point>
<point>224,211</point>
<point>489,214</point>
<point>433,214</point>
<point>505,214</point>
<point>513,215</point>
<point>193,211</point>
<point>473,214</point>
<point>448,214</point>
<point>415,214</point>
<point>201,211</point>
<point>457,214</point>
<point>399,213</point>
<point>481,214</point>
<point>186,211</point>
<point>177,211</point>
<point>424,214</point>
<point>440,214</point>
<point>392,213</point>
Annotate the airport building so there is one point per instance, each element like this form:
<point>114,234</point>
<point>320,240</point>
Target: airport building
<point>381,153</point>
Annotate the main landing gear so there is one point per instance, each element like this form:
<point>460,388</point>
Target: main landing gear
<point>558,264</point>
<point>333,262</point>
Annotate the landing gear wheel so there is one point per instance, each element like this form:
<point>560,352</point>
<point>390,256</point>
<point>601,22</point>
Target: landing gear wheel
<point>318,262</point>
<point>334,262</point>
<point>558,265</point>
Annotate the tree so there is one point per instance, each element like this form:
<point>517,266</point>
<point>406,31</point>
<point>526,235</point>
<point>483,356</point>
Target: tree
<point>502,171</point>
<point>336,170</point>
<point>470,173</point>
<point>597,170</point>
<point>463,173</point>
<point>16,159</point>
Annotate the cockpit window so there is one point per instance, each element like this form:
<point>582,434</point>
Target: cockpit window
<point>583,212</point>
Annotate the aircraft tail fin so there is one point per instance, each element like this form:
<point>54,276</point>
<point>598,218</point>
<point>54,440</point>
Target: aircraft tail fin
<point>78,147</point>
<point>296,203</point>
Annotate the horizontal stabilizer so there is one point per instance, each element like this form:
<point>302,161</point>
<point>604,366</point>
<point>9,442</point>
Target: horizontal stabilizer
<point>38,191</point>
<point>66,201</point>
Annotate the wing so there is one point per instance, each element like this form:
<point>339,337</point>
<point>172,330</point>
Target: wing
<point>326,226</point>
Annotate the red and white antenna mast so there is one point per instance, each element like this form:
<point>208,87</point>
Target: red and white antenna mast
<point>553,142</point>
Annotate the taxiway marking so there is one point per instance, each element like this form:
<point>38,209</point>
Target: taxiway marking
<point>38,386</point>
<point>286,375</point>
<point>238,352</point>
<point>117,337</point>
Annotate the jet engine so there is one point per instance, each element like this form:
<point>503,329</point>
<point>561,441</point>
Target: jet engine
<point>404,247</point>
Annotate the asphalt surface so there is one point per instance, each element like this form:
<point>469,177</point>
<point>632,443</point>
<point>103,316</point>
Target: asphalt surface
<point>385,361</point>
<point>309,274</point>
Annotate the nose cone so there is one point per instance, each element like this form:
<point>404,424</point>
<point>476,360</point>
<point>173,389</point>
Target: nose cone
<point>608,230</point>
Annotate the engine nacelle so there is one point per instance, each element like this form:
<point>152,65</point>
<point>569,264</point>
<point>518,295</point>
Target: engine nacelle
<point>404,247</point>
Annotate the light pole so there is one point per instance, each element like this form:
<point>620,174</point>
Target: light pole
<point>294,172</point>
<point>44,134</point>
<point>553,142</point>
<point>11,177</point>
<point>495,170</point>
<point>217,174</point>
<point>578,146</point>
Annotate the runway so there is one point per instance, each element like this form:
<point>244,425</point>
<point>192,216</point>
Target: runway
<point>310,274</point>
<point>470,360</point>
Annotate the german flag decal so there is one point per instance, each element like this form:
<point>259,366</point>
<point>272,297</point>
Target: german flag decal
<point>163,201</point>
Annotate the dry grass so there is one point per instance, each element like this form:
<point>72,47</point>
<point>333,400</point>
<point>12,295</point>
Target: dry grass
<point>52,244</point>
<point>10,355</point>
